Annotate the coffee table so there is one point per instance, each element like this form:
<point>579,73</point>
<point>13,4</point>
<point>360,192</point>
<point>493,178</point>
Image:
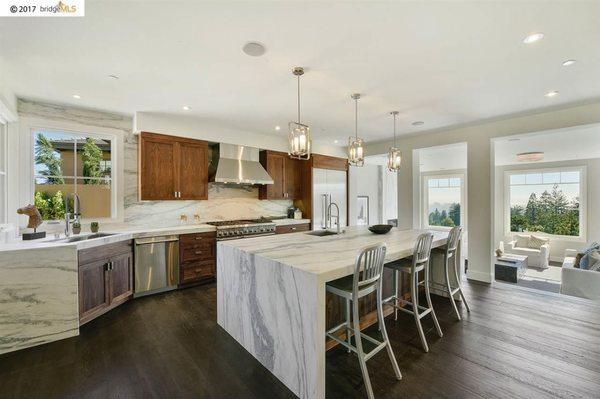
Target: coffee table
<point>510,267</point>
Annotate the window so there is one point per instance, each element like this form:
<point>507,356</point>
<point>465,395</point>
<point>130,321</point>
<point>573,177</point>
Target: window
<point>67,163</point>
<point>546,201</point>
<point>443,201</point>
<point>3,154</point>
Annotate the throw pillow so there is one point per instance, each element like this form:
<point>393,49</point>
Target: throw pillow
<point>537,242</point>
<point>577,260</point>
<point>521,241</point>
<point>595,260</point>
<point>584,263</point>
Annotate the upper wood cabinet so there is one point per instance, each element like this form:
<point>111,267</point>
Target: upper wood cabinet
<point>327,162</point>
<point>172,168</point>
<point>286,175</point>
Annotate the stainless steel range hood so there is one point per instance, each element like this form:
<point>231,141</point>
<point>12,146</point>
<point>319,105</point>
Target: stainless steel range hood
<point>240,164</point>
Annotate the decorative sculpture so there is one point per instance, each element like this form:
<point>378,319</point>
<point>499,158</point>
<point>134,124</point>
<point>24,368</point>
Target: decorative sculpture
<point>35,220</point>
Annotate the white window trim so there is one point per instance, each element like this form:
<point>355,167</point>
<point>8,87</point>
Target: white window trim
<point>583,199</point>
<point>29,125</point>
<point>3,170</point>
<point>462,175</point>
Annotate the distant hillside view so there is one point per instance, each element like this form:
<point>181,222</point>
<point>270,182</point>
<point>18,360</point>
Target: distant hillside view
<point>444,214</point>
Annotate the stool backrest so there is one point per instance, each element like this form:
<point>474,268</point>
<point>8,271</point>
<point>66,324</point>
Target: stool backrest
<point>370,261</point>
<point>422,250</point>
<point>453,240</point>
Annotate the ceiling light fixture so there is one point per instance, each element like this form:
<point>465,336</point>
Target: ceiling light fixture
<point>335,141</point>
<point>185,108</point>
<point>534,37</point>
<point>532,156</point>
<point>551,94</point>
<point>394,155</point>
<point>278,128</point>
<point>254,49</point>
<point>356,150</point>
<point>77,96</point>
<point>418,123</point>
<point>113,77</point>
<point>299,136</point>
<point>569,62</point>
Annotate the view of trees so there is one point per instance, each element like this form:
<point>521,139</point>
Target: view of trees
<point>551,213</point>
<point>46,155</point>
<point>443,218</point>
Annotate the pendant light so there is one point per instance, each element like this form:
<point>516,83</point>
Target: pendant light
<point>356,153</point>
<point>299,136</point>
<point>394,154</point>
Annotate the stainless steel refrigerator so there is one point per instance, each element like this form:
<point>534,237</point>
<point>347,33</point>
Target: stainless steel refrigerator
<point>328,186</point>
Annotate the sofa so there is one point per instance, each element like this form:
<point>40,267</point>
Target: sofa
<point>578,282</point>
<point>535,257</point>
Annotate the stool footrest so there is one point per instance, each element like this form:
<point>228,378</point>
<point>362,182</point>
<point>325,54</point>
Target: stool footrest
<point>380,345</point>
<point>425,310</point>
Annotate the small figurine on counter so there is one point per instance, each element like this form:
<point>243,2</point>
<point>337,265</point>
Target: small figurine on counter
<point>35,220</point>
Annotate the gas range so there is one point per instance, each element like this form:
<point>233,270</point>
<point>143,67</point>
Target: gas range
<point>233,229</point>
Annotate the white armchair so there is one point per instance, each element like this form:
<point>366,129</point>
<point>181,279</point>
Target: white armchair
<point>578,282</point>
<point>535,257</point>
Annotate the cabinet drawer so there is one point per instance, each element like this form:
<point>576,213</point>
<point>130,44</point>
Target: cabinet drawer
<point>197,271</point>
<point>198,252</point>
<point>292,228</point>
<point>104,252</point>
<point>196,238</point>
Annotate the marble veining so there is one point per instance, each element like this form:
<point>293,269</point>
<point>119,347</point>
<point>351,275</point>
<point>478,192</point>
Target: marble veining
<point>271,295</point>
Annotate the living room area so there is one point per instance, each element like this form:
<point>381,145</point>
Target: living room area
<point>546,219</point>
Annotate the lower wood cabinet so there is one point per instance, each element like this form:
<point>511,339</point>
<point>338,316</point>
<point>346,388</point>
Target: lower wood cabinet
<point>105,279</point>
<point>292,228</point>
<point>197,258</point>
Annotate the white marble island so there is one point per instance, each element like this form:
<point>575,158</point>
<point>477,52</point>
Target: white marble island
<point>271,295</point>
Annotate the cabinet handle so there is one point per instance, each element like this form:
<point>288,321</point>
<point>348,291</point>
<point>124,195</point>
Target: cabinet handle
<point>175,194</point>
<point>293,228</point>
<point>179,194</point>
<point>198,238</point>
<point>198,252</point>
<point>109,266</point>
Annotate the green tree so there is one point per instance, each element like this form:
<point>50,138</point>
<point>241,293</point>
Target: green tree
<point>454,213</point>
<point>46,155</point>
<point>91,158</point>
<point>447,222</point>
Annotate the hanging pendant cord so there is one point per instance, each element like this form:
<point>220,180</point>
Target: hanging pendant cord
<point>394,130</point>
<point>356,118</point>
<point>298,99</point>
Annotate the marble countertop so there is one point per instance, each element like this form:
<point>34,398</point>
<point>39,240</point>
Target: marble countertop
<point>334,256</point>
<point>122,232</point>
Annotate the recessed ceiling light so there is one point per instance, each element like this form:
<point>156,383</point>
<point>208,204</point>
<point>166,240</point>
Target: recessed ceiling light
<point>77,96</point>
<point>534,37</point>
<point>254,49</point>
<point>185,108</point>
<point>552,93</point>
<point>113,77</point>
<point>277,128</point>
<point>418,123</point>
<point>569,62</point>
<point>335,141</point>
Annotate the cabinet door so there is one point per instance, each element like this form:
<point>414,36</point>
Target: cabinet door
<point>293,178</point>
<point>157,167</point>
<point>94,297</point>
<point>121,278</point>
<point>193,170</point>
<point>276,168</point>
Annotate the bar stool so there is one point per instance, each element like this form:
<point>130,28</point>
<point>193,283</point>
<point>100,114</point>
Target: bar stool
<point>370,260</point>
<point>450,255</point>
<point>413,265</point>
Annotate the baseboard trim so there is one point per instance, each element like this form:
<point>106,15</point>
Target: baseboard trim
<point>479,276</point>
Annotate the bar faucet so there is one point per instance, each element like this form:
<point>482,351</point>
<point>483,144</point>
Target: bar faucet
<point>330,216</point>
<point>75,214</point>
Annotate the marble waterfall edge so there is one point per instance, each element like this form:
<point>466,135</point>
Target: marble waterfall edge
<point>38,297</point>
<point>270,309</point>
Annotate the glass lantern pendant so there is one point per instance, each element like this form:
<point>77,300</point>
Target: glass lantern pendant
<point>356,145</point>
<point>299,134</point>
<point>394,154</point>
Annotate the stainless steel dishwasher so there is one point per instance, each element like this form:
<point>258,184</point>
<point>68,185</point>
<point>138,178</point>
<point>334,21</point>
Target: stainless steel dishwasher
<point>156,265</point>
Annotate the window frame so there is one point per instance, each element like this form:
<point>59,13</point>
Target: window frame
<point>582,169</point>
<point>33,129</point>
<point>3,171</point>
<point>451,174</point>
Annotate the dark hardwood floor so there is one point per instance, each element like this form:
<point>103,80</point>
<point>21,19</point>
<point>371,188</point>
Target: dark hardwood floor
<point>515,343</point>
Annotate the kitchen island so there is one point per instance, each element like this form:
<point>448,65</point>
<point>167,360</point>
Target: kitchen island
<point>271,295</point>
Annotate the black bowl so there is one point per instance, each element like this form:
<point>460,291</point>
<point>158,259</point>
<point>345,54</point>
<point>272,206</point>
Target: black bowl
<point>380,228</point>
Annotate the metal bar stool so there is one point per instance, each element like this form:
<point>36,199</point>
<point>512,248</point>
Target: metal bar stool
<point>413,265</point>
<point>450,255</point>
<point>370,260</point>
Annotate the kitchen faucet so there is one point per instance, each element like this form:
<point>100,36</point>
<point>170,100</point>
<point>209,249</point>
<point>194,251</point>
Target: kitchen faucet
<point>330,216</point>
<point>75,214</point>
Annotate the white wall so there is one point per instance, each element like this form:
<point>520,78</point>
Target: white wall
<point>367,180</point>
<point>193,127</point>
<point>480,170</point>
<point>557,247</point>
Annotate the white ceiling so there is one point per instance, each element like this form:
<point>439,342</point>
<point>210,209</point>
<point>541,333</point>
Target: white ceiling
<point>444,63</point>
<point>582,142</point>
